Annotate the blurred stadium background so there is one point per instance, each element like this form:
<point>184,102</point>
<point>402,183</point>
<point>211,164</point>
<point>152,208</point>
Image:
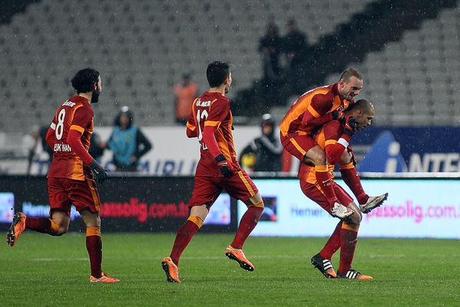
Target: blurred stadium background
<point>407,51</point>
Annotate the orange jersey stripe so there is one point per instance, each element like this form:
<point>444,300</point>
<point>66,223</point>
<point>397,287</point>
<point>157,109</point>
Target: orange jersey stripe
<point>246,184</point>
<point>294,116</point>
<point>77,128</point>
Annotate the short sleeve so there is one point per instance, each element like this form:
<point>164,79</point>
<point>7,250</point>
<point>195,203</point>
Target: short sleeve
<point>320,104</point>
<point>218,112</point>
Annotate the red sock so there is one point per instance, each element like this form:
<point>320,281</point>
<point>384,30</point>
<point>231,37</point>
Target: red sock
<point>183,238</point>
<point>94,247</point>
<point>41,224</point>
<point>348,240</point>
<point>247,224</point>
<point>351,178</point>
<point>333,244</point>
<point>325,181</point>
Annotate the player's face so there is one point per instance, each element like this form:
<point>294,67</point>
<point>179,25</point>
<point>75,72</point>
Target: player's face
<point>351,88</point>
<point>228,83</point>
<point>97,91</point>
<point>364,119</point>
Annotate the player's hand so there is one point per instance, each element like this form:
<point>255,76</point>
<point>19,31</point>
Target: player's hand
<point>99,173</point>
<point>226,168</point>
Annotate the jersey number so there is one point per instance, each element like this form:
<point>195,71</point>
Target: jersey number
<point>199,116</point>
<point>60,125</point>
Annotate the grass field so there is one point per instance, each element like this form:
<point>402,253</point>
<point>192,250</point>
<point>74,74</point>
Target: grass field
<point>48,271</point>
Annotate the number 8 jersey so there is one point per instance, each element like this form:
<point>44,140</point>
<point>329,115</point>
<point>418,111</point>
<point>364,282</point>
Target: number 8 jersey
<point>74,114</point>
<point>212,109</point>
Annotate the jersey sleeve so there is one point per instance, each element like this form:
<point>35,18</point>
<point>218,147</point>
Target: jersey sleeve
<point>320,105</point>
<point>81,119</point>
<point>191,128</point>
<point>334,148</point>
<point>217,113</point>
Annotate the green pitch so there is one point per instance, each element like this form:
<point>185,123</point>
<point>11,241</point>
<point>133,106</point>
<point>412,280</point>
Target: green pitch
<point>48,271</point>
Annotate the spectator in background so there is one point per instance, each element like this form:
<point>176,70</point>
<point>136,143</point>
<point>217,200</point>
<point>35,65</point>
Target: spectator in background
<point>263,154</point>
<point>270,48</point>
<point>295,47</point>
<point>185,93</point>
<point>127,142</point>
<point>97,147</point>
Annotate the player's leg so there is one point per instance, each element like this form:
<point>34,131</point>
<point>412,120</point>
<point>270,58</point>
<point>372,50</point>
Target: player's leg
<point>59,211</point>
<point>85,196</point>
<point>94,247</point>
<point>188,230</point>
<point>323,176</point>
<point>322,260</point>
<point>351,177</point>
<point>204,194</point>
<point>241,187</point>
<point>348,239</point>
<point>304,148</point>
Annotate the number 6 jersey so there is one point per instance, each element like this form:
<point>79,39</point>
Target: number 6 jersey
<point>212,109</point>
<point>74,114</point>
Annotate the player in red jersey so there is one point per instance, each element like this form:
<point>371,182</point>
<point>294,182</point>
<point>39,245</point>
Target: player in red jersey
<point>73,173</point>
<point>312,110</point>
<point>218,169</point>
<point>333,138</point>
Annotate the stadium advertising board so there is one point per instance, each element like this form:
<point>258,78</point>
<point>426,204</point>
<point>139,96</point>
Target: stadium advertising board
<point>416,208</point>
<point>422,149</point>
<point>128,204</point>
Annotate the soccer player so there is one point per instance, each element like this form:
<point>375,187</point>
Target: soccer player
<point>218,169</point>
<point>333,138</point>
<point>312,110</point>
<point>73,173</point>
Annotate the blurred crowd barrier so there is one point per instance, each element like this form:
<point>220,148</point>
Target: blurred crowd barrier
<point>384,150</point>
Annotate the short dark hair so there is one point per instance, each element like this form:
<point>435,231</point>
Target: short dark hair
<point>363,105</point>
<point>217,72</point>
<point>84,80</point>
<point>350,72</point>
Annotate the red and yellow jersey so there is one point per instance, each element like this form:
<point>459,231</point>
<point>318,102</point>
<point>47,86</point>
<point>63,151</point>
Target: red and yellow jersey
<point>213,109</point>
<point>328,135</point>
<point>74,114</point>
<point>309,111</point>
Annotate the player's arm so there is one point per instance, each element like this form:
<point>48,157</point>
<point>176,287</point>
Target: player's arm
<point>317,112</point>
<point>338,134</point>
<point>335,144</point>
<point>219,110</point>
<point>50,140</point>
<point>74,140</point>
<point>191,128</point>
<point>81,120</point>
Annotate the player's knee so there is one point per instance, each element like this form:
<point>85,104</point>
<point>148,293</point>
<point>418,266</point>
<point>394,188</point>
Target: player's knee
<point>256,201</point>
<point>317,156</point>
<point>356,218</point>
<point>346,158</point>
<point>61,229</point>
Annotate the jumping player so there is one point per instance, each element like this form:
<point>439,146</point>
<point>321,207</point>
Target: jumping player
<point>73,173</point>
<point>218,169</point>
<point>306,116</point>
<point>333,138</point>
